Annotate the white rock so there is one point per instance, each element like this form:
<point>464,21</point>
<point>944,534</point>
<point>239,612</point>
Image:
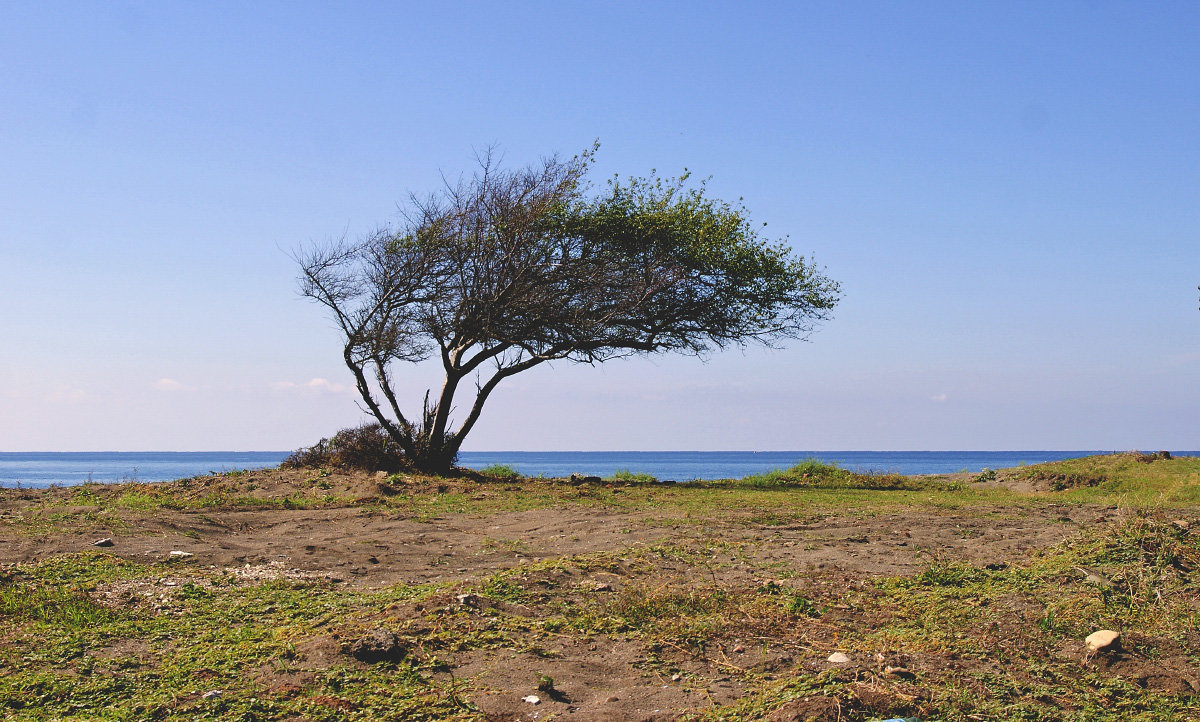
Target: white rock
<point>180,555</point>
<point>1104,639</point>
<point>105,542</point>
<point>211,693</point>
<point>838,658</point>
<point>532,699</point>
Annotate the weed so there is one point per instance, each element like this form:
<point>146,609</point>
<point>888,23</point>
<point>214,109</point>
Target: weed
<point>500,471</point>
<point>625,475</point>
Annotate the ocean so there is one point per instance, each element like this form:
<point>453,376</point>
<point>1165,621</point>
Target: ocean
<point>44,468</point>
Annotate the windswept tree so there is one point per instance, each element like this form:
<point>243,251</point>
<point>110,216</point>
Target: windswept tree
<point>511,269</point>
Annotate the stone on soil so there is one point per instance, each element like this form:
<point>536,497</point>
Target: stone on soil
<point>1103,640</point>
<point>378,645</point>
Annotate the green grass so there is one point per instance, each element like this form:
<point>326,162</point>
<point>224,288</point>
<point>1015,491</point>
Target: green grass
<point>1128,478</point>
<point>500,471</point>
<point>625,475</point>
<point>815,474</point>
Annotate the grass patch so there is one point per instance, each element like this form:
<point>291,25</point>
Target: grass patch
<point>816,474</point>
<point>500,471</point>
<point>636,477</point>
<point>1132,477</point>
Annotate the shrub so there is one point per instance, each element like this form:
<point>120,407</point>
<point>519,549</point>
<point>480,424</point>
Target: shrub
<point>366,447</point>
<point>640,477</point>
<point>820,475</point>
<point>501,471</point>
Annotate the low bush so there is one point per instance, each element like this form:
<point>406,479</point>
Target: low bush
<point>500,471</point>
<point>640,477</point>
<point>366,447</point>
<point>820,475</point>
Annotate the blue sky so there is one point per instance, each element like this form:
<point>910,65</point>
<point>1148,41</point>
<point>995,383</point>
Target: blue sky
<point>1009,194</point>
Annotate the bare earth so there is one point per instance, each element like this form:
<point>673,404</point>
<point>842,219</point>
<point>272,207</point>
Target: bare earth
<point>365,544</point>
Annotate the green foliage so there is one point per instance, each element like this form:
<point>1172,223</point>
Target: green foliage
<point>500,471</point>
<point>639,477</point>
<point>65,607</point>
<point>1132,476</point>
<point>817,474</point>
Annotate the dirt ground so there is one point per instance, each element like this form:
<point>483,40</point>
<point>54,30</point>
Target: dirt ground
<point>367,545</point>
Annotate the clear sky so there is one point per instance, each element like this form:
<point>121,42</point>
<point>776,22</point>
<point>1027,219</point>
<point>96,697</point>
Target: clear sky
<point>1008,192</point>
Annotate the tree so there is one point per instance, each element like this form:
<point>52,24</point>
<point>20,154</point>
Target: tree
<point>507,270</point>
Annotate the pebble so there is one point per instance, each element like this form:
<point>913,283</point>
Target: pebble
<point>211,693</point>
<point>532,699</point>
<point>1102,640</point>
<point>378,645</point>
<point>838,658</point>
<point>105,542</point>
<point>180,555</point>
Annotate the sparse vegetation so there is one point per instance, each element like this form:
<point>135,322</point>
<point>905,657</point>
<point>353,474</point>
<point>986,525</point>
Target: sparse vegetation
<point>700,600</point>
<point>817,474</point>
<point>636,477</point>
<point>500,471</point>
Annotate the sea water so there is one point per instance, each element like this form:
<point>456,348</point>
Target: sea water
<point>45,468</point>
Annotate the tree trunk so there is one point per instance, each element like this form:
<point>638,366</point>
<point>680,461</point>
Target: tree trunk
<point>439,462</point>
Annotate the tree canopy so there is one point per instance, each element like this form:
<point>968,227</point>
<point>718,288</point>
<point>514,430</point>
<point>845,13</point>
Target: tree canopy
<point>509,269</point>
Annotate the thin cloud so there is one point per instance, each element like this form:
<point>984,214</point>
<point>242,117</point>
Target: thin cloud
<point>65,394</point>
<point>165,384</point>
<point>315,384</point>
<point>938,398</point>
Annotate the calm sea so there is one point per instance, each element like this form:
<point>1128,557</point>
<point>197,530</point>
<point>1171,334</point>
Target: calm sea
<point>42,469</point>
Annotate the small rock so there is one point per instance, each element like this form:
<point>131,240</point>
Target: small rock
<point>1104,640</point>
<point>468,600</point>
<point>838,658</point>
<point>378,645</point>
<point>1094,577</point>
<point>532,699</point>
<point>381,475</point>
<point>602,587</point>
<point>900,672</point>
<point>180,555</point>
<point>105,542</point>
<point>676,677</point>
<point>739,649</point>
<point>1179,524</point>
<point>211,693</point>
